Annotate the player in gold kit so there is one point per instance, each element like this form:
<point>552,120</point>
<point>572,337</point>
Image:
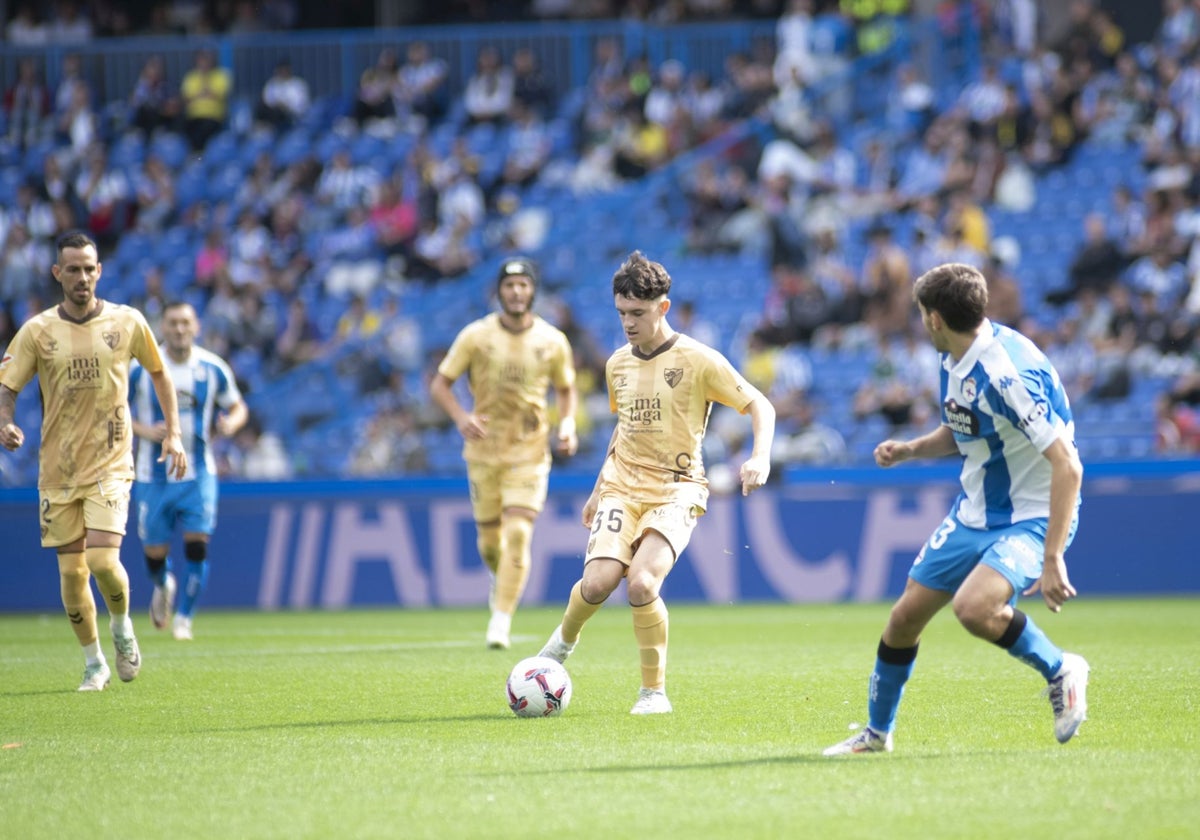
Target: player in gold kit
<point>511,359</point>
<point>81,351</point>
<point>651,487</point>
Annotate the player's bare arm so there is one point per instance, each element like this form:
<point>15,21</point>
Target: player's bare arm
<point>150,431</point>
<point>471,426</point>
<point>936,444</point>
<point>757,468</point>
<point>172,443</point>
<point>567,442</point>
<point>1066,478</point>
<point>11,435</point>
<point>232,420</point>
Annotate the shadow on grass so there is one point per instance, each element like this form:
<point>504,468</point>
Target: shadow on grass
<point>379,721</point>
<point>46,692</point>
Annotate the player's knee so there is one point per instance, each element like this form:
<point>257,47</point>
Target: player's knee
<point>972,613</point>
<point>196,551</point>
<point>643,588</point>
<point>518,534</point>
<point>155,564</point>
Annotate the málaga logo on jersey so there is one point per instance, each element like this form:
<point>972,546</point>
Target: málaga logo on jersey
<point>673,376</point>
<point>112,339</point>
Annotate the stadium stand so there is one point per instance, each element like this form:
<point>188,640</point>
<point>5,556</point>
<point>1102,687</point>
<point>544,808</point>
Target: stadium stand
<point>938,129</point>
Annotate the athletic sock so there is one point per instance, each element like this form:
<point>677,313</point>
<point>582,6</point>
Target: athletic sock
<point>577,613</point>
<point>94,654</point>
<point>893,667</point>
<point>121,625</point>
<point>513,571</point>
<point>75,584</point>
<point>650,623</point>
<point>197,577</point>
<point>1027,642</point>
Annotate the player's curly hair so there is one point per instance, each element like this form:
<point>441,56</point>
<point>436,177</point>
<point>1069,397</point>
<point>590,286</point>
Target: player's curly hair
<point>957,292</point>
<point>641,279</point>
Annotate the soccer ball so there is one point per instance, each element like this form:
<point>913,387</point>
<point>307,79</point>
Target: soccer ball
<point>538,687</point>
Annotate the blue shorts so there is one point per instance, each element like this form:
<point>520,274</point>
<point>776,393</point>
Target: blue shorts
<point>161,506</point>
<point>954,550</point>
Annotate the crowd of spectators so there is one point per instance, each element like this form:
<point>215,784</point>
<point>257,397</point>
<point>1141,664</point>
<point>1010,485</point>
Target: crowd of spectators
<point>288,234</point>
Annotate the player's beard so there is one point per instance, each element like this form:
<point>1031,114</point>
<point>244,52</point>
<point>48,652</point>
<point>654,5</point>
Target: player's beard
<point>518,310</point>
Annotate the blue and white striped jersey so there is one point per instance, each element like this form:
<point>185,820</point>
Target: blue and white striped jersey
<point>1005,404</point>
<point>202,383</point>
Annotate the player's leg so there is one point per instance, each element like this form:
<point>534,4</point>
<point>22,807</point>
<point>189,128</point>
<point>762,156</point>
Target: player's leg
<point>156,523</point>
<point>512,573</point>
<point>986,606</point>
<point>652,561</point>
<point>484,484</point>
<point>938,570</point>
<point>522,497</point>
<point>609,553</point>
<point>105,511</point>
<point>62,521</point>
<point>197,512</point>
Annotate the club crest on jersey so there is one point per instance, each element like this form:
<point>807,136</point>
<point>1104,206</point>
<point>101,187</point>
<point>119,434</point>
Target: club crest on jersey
<point>673,376</point>
<point>969,389</point>
<point>112,339</point>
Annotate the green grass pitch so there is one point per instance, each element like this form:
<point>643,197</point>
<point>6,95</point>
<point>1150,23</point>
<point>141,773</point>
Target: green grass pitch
<point>393,724</point>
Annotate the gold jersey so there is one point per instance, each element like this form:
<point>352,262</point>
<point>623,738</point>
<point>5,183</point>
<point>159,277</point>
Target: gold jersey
<point>662,402</point>
<point>509,374</point>
<point>83,375</point>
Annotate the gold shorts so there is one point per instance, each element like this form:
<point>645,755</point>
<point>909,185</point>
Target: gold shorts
<point>66,513</point>
<point>496,487</point>
<point>619,527</point>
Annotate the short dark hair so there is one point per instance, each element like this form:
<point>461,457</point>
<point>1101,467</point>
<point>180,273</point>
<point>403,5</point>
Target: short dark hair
<point>956,291</point>
<point>74,239</point>
<point>176,303</point>
<point>641,279</point>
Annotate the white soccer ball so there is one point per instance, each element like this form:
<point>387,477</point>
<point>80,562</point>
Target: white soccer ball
<point>538,687</point>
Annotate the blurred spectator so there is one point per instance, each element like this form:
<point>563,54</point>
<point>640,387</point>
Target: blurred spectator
<point>1004,294</point>
<point>373,100</point>
<point>24,263</point>
<point>421,88</point>
<point>488,95</point>
<point>27,105</point>
<point>911,109</point>
<point>153,103</point>
<point>1097,263</point>
<point>26,29</point>
<point>393,218</point>
<point>640,145</point>
<point>30,210</point>
<point>205,92</point>
<point>801,438</point>
<point>151,299</point>
<point>299,341</point>
<point>259,455</point>
<point>106,195</point>
<point>391,445</point>
<point>285,98</point>
<point>154,189</point>
<point>529,84</point>
<point>358,322</point>
<point>899,388</point>
<point>344,184</point>
<point>528,147</point>
<point>70,24</point>
<point>249,249</point>
<point>886,283</point>
<point>211,258</point>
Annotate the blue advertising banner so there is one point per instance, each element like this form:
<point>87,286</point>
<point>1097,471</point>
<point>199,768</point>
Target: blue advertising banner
<point>817,537</point>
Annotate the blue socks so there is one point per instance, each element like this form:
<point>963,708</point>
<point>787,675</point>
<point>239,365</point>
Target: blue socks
<point>1025,640</point>
<point>197,577</point>
<point>893,667</point>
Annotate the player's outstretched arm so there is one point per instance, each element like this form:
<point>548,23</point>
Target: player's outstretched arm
<point>757,468</point>
<point>935,444</point>
<point>11,436</point>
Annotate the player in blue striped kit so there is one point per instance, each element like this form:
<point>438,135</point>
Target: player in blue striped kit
<point>208,399</point>
<point>1005,413</point>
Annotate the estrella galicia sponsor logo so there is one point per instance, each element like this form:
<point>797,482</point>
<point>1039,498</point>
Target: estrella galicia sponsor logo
<point>673,376</point>
<point>961,419</point>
